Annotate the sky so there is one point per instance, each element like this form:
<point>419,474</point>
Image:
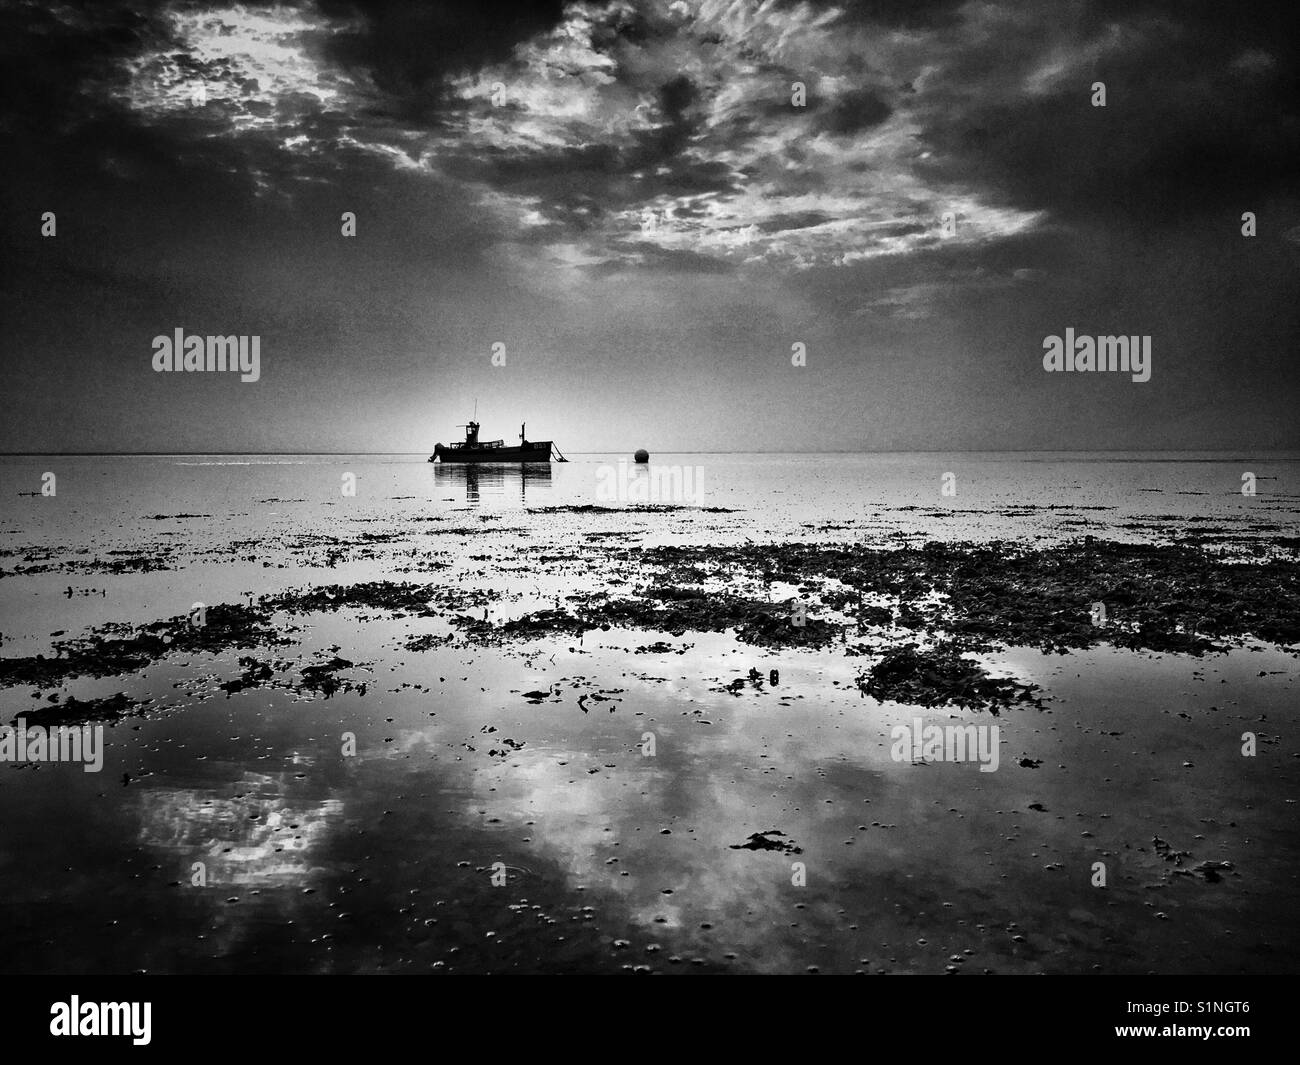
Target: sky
<point>642,208</point>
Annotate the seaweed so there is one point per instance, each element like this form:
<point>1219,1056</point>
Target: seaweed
<point>941,677</point>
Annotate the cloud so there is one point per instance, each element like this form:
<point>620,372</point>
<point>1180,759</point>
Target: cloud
<point>409,50</point>
<point>687,128</point>
<point>853,112</point>
<point>1200,111</point>
<point>614,137</point>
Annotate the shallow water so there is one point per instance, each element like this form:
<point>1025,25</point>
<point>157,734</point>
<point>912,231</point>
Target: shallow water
<point>385,861</point>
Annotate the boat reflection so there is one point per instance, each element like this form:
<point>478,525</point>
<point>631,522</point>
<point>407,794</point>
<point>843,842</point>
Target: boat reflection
<point>494,478</point>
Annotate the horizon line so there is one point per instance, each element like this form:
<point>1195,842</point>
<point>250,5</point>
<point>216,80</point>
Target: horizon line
<point>742,451</point>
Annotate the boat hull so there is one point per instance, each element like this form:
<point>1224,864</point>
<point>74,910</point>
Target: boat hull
<point>534,451</point>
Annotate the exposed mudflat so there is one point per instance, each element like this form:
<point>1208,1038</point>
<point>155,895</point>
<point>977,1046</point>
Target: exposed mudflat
<point>916,618</point>
<point>396,740</point>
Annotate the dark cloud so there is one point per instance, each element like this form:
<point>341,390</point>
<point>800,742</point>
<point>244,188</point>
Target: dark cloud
<point>677,99</point>
<point>853,112</point>
<point>410,46</point>
<point>48,55</point>
<point>1202,111</point>
<point>576,186</point>
<point>794,221</point>
<point>906,14</point>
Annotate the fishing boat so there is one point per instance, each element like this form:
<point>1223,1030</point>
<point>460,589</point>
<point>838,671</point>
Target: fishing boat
<point>472,449</point>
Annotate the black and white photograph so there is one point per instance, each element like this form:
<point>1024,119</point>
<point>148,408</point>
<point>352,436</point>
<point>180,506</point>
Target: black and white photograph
<point>650,487</point>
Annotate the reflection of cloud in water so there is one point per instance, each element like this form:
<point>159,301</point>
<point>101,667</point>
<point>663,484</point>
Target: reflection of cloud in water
<point>580,816</point>
<point>405,742</point>
<point>259,838</point>
<point>586,814</point>
<point>580,808</point>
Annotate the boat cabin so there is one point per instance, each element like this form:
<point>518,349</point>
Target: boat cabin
<point>472,441</point>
